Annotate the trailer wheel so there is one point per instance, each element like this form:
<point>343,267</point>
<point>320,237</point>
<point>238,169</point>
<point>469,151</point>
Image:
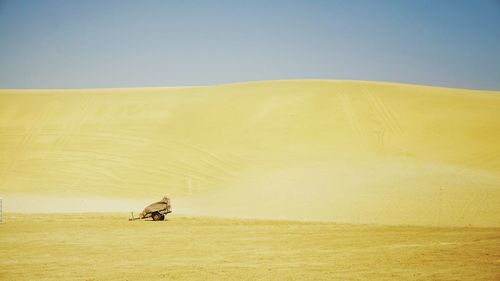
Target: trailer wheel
<point>157,216</point>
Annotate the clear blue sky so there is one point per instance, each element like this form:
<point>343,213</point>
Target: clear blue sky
<point>82,44</point>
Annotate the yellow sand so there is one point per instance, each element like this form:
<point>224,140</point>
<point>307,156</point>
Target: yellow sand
<point>108,247</point>
<point>344,151</point>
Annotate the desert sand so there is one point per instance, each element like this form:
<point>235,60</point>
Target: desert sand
<point>273,180</point>
<point>108,247</point>
<point>342,151</point>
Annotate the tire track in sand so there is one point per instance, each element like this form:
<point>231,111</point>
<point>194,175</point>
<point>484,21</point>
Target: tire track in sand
<point>387,127</point>
<point>226,171</point>
<point>386,116</point>
<point>20,149</point>
<point>350,112</point>
<point>87,101</point>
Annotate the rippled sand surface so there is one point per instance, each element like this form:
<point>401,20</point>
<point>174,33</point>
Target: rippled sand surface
<point>340,151</point>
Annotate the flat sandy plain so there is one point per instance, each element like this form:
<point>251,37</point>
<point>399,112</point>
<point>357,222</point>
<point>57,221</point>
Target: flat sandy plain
<point>108,247</point>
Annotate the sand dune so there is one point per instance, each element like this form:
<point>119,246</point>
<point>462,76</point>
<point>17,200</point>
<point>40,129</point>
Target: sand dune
<point>346,151</point>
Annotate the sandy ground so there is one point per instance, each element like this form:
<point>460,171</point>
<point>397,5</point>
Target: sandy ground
<point>351,154</point>
<point>342,151</point>
<point>108,247</point>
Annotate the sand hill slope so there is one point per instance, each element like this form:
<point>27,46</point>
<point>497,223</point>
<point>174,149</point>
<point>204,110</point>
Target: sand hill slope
<point>346,151</point>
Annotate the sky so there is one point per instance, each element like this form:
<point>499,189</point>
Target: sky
<point>95,44</point>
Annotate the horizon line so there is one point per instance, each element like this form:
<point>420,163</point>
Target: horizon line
<point>244,82</point>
